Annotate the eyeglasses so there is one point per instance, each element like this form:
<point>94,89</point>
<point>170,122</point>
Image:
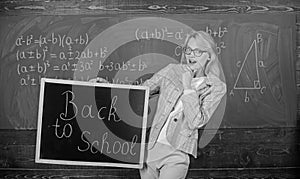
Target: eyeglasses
<point>197,52</point>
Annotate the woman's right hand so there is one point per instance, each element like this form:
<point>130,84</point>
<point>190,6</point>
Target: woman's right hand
<point>186,80</point>
<point>98,80</point>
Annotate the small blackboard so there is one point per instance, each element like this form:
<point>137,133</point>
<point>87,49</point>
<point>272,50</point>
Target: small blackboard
<point>95,124</point>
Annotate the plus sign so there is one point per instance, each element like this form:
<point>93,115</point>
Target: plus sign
<point>96,54</point>
<point>70,53</point>
<point>215,33</point>
<point>30,53</point>
<point>152,35</point>
<point>31,68</point>
<point>76,41</point>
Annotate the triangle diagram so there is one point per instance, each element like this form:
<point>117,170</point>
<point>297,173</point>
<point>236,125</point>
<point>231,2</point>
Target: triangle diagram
<point>248,76</point>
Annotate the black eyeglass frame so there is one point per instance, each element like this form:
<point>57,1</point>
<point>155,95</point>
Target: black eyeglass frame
<point>193,50</point>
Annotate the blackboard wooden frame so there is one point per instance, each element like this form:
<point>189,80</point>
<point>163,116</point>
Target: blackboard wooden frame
<point>38,158</point>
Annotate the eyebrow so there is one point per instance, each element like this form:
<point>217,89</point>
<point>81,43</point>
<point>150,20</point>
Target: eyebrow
<point>197,48</point>
<point>201,46</point>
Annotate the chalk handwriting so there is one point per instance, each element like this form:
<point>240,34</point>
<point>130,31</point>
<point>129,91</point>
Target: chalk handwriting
<point>59,55</point>
<point>66,129</point>
<point>158,33</point>
<point>86,111</point>
<point>106,145</point>
<point>54,39</point>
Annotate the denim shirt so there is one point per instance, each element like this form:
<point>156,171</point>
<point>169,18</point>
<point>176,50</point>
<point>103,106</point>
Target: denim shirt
<point>198,107</point>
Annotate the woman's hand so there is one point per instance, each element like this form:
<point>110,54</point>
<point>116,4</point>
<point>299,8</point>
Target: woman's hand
<point>195,68</point>
<point>186,80</point>
<point>98,80</point>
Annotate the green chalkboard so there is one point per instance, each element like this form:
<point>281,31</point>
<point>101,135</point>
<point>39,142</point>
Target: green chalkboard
<point>256,52</point>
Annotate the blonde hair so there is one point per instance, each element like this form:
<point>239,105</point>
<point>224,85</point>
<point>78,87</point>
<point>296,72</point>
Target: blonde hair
<point>211,67</point>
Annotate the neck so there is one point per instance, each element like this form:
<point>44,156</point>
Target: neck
<point>199,73</point>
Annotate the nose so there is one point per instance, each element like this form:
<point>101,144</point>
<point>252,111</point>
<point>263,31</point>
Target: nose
<point>191,55</point>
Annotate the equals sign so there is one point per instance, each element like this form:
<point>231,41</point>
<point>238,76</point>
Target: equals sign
<point>170,34</point>
<point>55,68</point>
<point>53,55</point>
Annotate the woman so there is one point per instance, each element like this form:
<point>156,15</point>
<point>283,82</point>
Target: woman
<point>189,93</point>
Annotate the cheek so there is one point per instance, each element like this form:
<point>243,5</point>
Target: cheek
<point>187,57</point>
<point>202,62</point>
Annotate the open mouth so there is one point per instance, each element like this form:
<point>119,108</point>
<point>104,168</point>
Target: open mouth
<point>192,61</point>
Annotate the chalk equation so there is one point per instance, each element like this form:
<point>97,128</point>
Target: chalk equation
<point>54,39</point>
<point>180,35</point>
<point>35,63</point>
<point>44,53</point>
<point>159,34</point>
<point>42,58</point>
<point>43,67</point>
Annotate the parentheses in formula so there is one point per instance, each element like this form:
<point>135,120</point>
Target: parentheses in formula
<point>63,40</point>
<point>40,41</point>
<point>17,55</point>
<point>87,38</point>
<point>18,69</point>
<point>45,67</point>
<point>44,52</point>
<point>136,34</point>
<point>163,33</point>
<point>60,41</point>
<point>44,55</point>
